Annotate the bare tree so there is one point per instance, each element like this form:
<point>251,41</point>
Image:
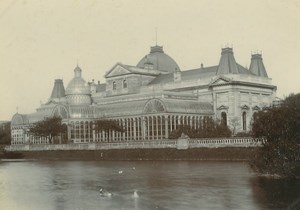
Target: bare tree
<point>234,123</point>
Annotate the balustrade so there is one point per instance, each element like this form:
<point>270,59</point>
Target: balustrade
<point>192,143</point>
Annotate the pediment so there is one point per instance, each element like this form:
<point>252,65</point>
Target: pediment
<point>245,107</point>
<point>117,70</point>
<point>256,108</point>
<point>222,107</point>
<point>51,102</point>
<point>220,81</point>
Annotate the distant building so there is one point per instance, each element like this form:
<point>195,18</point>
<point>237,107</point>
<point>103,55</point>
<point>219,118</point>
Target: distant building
<point>152,98</point>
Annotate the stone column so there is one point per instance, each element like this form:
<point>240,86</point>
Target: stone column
<point>138,128</point>
<point>143,133</point>
<point>161,127</point>
<point>175,122</point>
<point>134,128</point>
<point>127,129</point>
<point>69,132</point>
<point>148,125</point>
<point>130,129</point>
<point>166,126</point>
<point>152,133</point>
<point>124,131</point>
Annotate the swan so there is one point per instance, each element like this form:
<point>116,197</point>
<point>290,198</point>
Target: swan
<point>135,194</point>
<point>104,193</point>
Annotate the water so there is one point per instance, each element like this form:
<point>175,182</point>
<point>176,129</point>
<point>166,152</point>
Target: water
<point>158,184</point>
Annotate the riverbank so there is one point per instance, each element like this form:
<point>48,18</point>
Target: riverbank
<point>9,155</point>
<point>234,153</point>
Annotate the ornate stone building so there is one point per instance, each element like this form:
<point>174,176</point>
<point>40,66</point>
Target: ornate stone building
<point>151,99</point>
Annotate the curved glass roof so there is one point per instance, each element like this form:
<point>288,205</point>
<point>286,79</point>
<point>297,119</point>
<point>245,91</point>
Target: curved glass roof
<point>153,106</point>
<point>77,86</point>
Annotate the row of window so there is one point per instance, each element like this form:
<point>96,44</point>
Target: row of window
<point>244,119</point>
<point>124,84</point>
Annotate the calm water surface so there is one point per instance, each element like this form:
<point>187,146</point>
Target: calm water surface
<point>159,184</point>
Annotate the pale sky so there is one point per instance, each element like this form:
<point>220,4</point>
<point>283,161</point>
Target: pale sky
<point>41,41</point>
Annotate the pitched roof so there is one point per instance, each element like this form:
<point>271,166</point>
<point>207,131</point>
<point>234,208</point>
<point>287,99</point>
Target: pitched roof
<point>122,69</point>
<point>195,74</point>
<point>138,70</point>
<point>243,70</point>
<point>186,75</point>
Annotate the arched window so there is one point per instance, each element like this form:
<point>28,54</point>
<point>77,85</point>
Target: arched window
<point>114,85</point>
<point>244,121</point>
<point>124,83</point>
<point>224,118</point>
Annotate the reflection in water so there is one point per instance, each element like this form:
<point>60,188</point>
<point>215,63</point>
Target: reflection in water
<point>274,193</point>
<point>159,185</point>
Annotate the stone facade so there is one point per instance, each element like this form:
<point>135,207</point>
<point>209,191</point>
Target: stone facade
<point>153,98</point>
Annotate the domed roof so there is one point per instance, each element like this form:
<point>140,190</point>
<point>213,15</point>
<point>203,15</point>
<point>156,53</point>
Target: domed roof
<point>157,59</point>
<point>78,86</point>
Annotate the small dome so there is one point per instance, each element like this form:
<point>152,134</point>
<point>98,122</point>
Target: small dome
<point>78,86</point>
<point>159,60</point>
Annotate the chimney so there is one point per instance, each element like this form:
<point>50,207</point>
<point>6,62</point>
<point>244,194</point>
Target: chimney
<point>227,64</point>
<point>257,66</point>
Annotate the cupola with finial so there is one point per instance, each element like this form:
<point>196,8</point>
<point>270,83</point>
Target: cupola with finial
<point>227,64</point>
<point>78,90</point>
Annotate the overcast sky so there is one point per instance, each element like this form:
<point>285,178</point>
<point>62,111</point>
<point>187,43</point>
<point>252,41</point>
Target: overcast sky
<point>42,40</point>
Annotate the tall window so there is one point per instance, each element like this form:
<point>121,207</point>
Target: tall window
<point>224,118</point>
<point>244,121</point>
<point>124,83</point>
<point>114,85</point>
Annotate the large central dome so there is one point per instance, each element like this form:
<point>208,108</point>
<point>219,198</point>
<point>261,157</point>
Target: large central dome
<point>78,91</point>
<point>77,86</point>
<point>158,60</point>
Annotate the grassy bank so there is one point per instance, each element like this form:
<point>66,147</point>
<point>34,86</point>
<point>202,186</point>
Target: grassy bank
<point>9,155</point>
<point>145,154</point>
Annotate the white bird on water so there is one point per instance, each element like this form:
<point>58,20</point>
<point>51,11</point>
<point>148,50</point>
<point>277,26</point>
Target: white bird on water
<point>104,193</point>
<point>135,194</point>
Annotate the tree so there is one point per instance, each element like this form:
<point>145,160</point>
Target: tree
<point>49,128</point>
<point>106,126</point>
<point>5,134</point>
<point>190,132</point>
<point>280,126</point>
<point>234,123</point>
<point>210,129</point>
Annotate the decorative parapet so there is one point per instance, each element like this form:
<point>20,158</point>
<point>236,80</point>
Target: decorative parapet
<point>225,142</point>
<point>182,143</point>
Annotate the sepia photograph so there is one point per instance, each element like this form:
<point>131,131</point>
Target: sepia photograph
<point>145,105</point>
